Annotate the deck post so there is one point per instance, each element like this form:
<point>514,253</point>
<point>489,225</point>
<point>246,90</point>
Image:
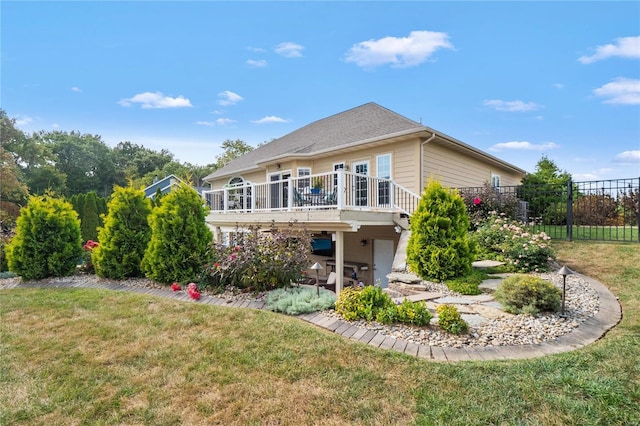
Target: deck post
<point>339,261</point>
<point>341,188</point>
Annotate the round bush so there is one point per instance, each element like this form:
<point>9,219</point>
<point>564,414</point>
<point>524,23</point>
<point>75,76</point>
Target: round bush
<point>528,295</point>
<point>449,319</point>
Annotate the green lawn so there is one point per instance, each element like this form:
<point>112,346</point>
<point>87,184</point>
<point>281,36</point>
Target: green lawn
<point>591,233</point>
<point>81,356</point>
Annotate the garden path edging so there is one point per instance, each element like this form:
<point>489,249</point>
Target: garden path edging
<point>587,332</point>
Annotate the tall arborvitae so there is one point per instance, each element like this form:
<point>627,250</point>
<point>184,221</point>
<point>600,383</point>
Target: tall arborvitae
<point>439,246</point>
<point>179,238</point>
<point>89,218</point>
<point>124,236</point>
<point>48,241</point>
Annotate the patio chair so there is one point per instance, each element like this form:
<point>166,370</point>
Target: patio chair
<point>328,282</point>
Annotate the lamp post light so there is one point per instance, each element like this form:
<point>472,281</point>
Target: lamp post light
<point>317,267</point>
<point>564,271</point>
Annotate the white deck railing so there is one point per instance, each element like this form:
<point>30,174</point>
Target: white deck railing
<point>335,190</point>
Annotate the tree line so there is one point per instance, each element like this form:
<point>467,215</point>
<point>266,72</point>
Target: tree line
<point>73,163</point>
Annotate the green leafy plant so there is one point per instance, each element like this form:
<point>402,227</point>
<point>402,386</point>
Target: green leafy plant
<point>414,313</point>
<point>449,319</point>
<point>180,237</point>
<point>299,300</point>
<point>528,294</point>
<point>439,246</point>
<point>124,236</point>
<point>467,284</point>
<point>47,240</point>
<point>507,240</point>
<point>259,260</point>
<point>362,303</point>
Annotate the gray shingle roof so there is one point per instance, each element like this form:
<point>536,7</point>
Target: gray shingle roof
<point>368,121</point>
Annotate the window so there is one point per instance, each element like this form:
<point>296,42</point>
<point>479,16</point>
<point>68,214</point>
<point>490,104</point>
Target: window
<point>383,170</point>
<point>495,181</point>
<point>304,183</point>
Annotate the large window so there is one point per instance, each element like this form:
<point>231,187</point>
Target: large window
<point>302,172</point>
<point>383,170</point>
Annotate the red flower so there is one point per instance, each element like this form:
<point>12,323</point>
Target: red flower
<point>236,248</point>
<point>176,287</point>
<point>232,257</point>
<point>192,289</point>
<point>477,201</point>
<point>216,265</point>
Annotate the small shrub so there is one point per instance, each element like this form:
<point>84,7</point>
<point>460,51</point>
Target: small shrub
<point>362,303</point>
<point>467,284</point>
<point>7,274</point>
<point>414,313</point>
<point>527,294</point>
<point>449,319</point>
<point>299,300</point>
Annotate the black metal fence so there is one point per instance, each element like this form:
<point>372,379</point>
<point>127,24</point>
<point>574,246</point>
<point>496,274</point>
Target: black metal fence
<point>603,210</point>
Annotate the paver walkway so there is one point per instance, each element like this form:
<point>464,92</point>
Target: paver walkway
<point>609,314</point>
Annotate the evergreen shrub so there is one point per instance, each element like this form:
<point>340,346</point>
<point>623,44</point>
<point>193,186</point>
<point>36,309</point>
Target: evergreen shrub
<point>439,246</point>
<point>526,294</point>
<point>47,242</point>
<point>124,236</point>
<point>180,238</point>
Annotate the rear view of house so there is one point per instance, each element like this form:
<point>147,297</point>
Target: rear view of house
<point>352,179</point>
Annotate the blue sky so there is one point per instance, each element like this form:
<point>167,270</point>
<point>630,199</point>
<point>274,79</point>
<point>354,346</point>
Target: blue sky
<point>518,80</point>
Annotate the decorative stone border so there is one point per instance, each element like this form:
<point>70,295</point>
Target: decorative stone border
<point>590,330</point>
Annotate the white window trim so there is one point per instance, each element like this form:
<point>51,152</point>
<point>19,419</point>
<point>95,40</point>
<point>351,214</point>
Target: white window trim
<point>495,177</point>
<point>388,154</point>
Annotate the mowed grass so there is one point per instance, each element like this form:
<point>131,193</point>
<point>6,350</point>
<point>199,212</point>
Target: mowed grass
<point>80,356</point>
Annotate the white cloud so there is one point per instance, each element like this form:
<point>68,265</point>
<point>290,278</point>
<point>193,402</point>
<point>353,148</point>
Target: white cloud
<point>289,49</point>
<point>206,123</point>
<point>625,91</point>
<point>523,146</point>
<point>156,100</point>
<point>22,120</point>
<point>55,125</point>
<point>400,52</point>
<point>269,119</point>
<point>511,106</point>
<point>628,157</point>
<point>223,121</point>
<point>584,176</point>
<point>558,85</point>
<point>227,98</point>
<point>256,49</point>
<point>76,89</point>
<point>257,63</point>
<point>625,47</point>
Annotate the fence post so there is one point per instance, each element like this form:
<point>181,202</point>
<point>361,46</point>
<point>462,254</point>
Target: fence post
<point>569,210</point>
<point>638,210</point>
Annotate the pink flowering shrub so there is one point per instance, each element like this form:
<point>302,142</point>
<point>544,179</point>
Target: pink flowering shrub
<point>259,261</point>
<point>507,240</point>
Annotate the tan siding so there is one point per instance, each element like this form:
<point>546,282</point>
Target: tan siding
<point>453,169</point>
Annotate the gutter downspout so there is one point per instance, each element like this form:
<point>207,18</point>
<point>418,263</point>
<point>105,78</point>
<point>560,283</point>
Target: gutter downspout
<point>433,135</point>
